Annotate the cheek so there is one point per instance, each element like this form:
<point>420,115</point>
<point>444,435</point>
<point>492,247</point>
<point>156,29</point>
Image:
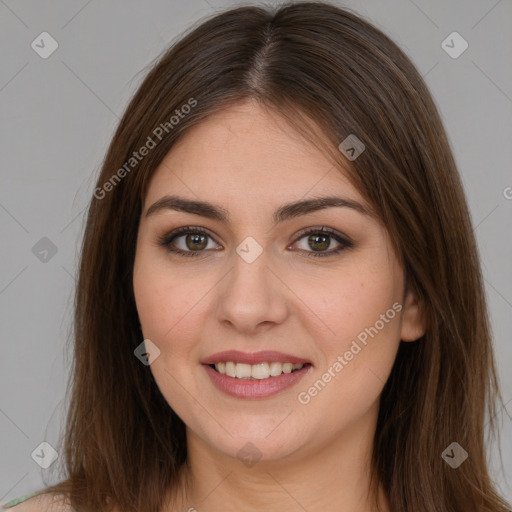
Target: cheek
<point>154,295</point>
<point>162,305</point>
<point>351,301</point>
<point>170,305</point>
<point>362,311</point>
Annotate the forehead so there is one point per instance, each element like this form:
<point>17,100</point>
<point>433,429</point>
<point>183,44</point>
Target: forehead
<point>245,152</point>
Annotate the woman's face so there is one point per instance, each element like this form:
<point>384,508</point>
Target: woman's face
<point>255,282</point>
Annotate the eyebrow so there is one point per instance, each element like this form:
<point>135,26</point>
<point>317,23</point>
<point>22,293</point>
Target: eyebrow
<point>283,213</point>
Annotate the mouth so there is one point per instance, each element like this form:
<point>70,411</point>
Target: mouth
<point>260,371</point>
<point>255,375</point>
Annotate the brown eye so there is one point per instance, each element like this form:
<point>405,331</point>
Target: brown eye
<point>187,241</point>
<point>196,241</point>
<point>317,241</point>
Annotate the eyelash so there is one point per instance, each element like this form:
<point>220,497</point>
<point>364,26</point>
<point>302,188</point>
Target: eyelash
<point>167,239</point>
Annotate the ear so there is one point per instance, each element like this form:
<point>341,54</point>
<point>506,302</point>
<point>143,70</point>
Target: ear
<point>413,322</point>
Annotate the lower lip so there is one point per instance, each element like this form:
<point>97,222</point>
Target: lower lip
<point>255,388</point>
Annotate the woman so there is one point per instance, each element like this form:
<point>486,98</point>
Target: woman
<point>279,303</point>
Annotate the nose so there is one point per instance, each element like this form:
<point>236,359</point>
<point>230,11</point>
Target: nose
<point>252,297</point>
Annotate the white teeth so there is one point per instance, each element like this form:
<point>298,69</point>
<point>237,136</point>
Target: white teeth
<point>276,369</point>
<point>243,371</point>
<point>230,369</point>
<point>260,371</point>
<point>287,367</point>
<point>255,371</point>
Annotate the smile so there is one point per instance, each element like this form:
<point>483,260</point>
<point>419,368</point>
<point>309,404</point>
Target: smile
<point>258,371</point>
<point>254,375</point>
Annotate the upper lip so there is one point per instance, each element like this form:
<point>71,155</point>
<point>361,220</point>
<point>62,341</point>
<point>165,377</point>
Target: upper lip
<point>265,356</point>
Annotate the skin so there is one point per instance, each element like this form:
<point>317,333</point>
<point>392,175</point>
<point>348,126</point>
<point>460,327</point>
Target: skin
<point>250,162</point>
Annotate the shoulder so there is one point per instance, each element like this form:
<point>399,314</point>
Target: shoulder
<point>38,502</point>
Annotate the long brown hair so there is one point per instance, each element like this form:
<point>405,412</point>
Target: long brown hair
<point>331,74</point>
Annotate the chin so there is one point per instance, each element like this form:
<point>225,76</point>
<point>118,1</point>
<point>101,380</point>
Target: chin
<point>261,439</point>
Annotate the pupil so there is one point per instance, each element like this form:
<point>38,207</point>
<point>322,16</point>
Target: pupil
<point>195,240</point>
<point>313,239</point>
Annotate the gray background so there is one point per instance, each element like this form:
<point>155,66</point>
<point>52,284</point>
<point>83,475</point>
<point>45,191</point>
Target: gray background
<point>58,114</point>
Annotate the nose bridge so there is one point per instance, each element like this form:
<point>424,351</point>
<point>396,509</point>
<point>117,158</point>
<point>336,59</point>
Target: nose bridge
<point>250,275</point>
<point>251,294</point>
<point>250,266</point>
